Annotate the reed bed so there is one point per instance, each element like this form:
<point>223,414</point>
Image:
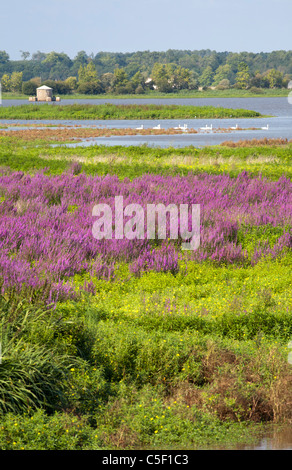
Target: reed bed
<point>257,143</point>
<point>64,134</point>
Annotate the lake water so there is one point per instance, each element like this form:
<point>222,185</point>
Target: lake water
<point>279,438</point>
<point>280,125</point>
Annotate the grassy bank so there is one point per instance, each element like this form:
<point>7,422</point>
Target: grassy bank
<point>271,160</point>
<point>146,346</point>
<point>231,93</point>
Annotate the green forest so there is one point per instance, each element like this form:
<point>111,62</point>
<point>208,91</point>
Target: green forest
<point>140,72</point>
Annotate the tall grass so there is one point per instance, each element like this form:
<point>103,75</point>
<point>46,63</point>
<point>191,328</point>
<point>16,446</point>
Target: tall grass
<point>33,372</point>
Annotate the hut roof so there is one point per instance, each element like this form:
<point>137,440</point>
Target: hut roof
<point>44,87</point>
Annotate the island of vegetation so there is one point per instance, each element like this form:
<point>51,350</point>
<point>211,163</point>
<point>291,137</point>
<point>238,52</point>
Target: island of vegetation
<point>113,111</point>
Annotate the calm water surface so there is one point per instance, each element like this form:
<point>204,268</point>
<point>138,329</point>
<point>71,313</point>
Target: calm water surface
<point>270,106</point>
<point>276,439</point>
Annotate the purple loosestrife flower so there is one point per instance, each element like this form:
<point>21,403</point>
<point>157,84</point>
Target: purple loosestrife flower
<point>46,224</point>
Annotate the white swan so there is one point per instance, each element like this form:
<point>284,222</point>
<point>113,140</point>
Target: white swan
<point>157,127</point>
<point>235,127</point>
<point>265,128</point>
<point>182,128</point>
<point>141,127</point>
<point>207,128</point>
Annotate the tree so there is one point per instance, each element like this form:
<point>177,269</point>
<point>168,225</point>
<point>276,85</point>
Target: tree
<point>138,83</point>
<point>106,81</point>
<point>54,58</point>
<point>16,82</point>
<point>89,83</point>
<point>242,76</point>
<point>275,78</point>
<point>121,83</point>
<point>4,57</point>
<point>39,56</point>
<point>81,58</point>
<point>259,81</point>
<point>25,54</point>
<point>223,72</point>
<point>71,83</point>
<point>161,76</point>
<point>181,78</point>
<point>206,79</point>
<point>170,77</point>
<point>87,73</point>
<point>6,82</point>
<point>59,65</point>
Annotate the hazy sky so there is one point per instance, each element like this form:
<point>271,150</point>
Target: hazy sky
<point>133,25</point>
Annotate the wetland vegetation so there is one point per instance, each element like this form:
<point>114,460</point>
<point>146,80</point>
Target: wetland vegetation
<point>127,111</point>
<point>137,344</point>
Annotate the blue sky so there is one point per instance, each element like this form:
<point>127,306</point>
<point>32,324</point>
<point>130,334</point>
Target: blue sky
<point>157,25</point>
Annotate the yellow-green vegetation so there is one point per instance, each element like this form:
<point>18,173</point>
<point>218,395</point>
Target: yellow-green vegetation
<point>187,360</point>
<point>270,160</point>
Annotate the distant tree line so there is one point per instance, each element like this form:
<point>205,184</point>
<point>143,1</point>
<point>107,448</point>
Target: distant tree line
<point>137,72</point>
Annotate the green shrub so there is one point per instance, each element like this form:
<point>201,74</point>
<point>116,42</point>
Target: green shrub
<point>38,431</point>
<point>29,88</point>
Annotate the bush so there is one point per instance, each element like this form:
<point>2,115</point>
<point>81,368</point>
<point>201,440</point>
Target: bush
<point>223,85</point>
<point>89,88</point>
<point>37,431</point>
<point>139,90</point>
<point>255,90</point>
<point>29,88</point>
<point>59,87</point>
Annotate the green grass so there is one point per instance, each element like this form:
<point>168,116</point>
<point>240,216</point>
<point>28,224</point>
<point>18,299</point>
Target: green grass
<point>131,162</point>
<point>111,111</point>
<point>231,93</point>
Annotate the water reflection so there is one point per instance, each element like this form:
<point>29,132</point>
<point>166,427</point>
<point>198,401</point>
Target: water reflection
<point>276,439</point>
